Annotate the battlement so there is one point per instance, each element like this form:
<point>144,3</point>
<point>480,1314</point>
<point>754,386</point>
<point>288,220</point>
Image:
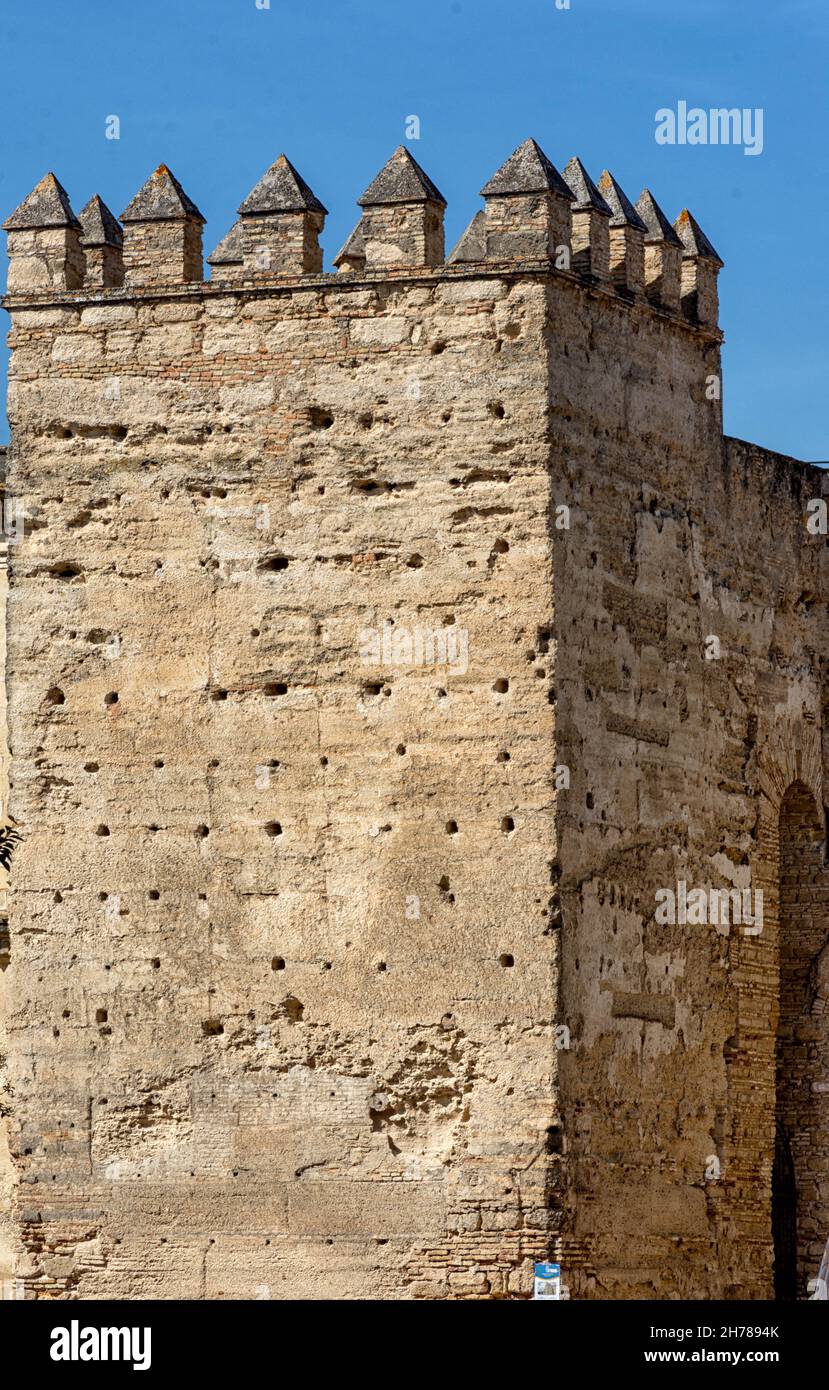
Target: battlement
<point>534,217</point>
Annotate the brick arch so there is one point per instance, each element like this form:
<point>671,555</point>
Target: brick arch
<point>800,1186</point>
<point>788,753</point>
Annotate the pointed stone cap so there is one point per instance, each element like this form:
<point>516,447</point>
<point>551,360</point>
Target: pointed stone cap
<point>230,250</point>
<point>472,245</point>
<point>583,189</point>
<point>98,226</point>
<point>46,206</point>
<point>659,228</point>
<point>355,246</point>
<point>160,199</point>
<point>624,213</point>
<point>693,238</point>
<point>528,170</point>
<point>401,180</point>
<point>280,189</point>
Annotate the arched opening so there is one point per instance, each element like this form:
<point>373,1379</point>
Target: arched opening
<point>800,1176</point>
<point>784,1218</point>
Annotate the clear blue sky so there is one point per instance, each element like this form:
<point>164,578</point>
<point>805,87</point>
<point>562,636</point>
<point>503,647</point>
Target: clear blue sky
<point>218,88</point>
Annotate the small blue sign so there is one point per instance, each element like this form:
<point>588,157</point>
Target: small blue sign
<point>547,1281</point>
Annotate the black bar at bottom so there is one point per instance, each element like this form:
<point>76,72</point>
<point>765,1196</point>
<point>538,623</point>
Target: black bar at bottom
<point>372,1342</point>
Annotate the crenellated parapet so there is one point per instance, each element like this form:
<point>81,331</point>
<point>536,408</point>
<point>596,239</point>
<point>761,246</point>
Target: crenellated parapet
<point>402,216</point>
<point>44,243</point>
<point>663,255</point>
<point>162,233</point>
<point>527,213</point>
<point>102,241</point>
<point>590,238</point>
<point>280,223</point>
<point>533,217</point>
<point>700,267</point>
<point>626,238</point>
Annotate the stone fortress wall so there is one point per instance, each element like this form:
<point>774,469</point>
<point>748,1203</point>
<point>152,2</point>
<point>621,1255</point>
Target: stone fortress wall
<point>7,1172</point>
<point>361,699</point>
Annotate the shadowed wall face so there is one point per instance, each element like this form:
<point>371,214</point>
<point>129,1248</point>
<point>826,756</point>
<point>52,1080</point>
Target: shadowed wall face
<point>7,1174</point>
<point>801,1195</point>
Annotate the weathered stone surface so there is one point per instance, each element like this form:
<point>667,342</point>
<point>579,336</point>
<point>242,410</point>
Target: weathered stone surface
<point>585,193</point>
<point>627,232</point>
<point>46,206</point>
<point>322,977</point>
<point>102,243</point>
<point>160,199</point>
<point>657,224</point>
<point>8,1228</point>
<point>623,213</point>
<point>230,250</point>
<point>663,255</point>
<point>99,227</point>
<point>471,246</point>
<point>281,189</point>
<point>162,233</point>
<point>401,180</point>
<point>693,238</point>
<point>700,267</point>
<point>402,222</point>
<point>591,217</point>
<point>44,243</point>
<point>352,255</point>
<point>528,170</point>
